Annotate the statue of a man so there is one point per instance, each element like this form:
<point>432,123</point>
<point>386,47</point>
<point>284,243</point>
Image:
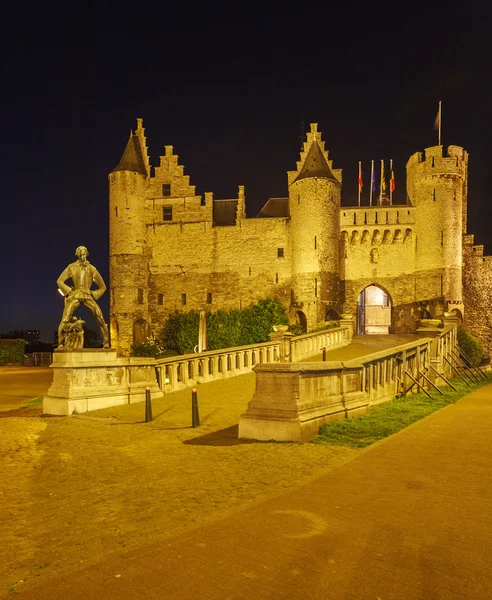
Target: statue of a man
<point>82,274</point>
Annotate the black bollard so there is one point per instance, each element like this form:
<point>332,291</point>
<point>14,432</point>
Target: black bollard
<point>148,406</point>
<point>324,354</point>
<point>195,416</point>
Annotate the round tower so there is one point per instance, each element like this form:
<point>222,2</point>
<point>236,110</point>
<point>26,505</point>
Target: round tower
<point>436,186</point>
<point>128,181</point>
<point>314,204</point>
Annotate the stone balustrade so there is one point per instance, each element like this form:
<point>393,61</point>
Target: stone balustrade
<point>183,371</point>
<point>292,400</point>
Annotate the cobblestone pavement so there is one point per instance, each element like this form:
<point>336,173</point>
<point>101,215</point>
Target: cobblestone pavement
<point>76,489</point>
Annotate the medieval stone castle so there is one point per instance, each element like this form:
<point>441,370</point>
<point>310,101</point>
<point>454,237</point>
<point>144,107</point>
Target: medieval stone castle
<point>388,265</point>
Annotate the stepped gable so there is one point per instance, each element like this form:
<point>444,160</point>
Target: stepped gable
<point>224,212</point>
<point>132,159</point>
<point>275,207</point>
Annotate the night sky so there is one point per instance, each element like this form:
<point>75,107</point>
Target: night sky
<point>232,86</point>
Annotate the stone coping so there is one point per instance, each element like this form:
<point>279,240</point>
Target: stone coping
<point>334,365</point>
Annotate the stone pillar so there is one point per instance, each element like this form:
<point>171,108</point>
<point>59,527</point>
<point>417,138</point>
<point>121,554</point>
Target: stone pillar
<point>284,338</point>
<point>436,354</point>
<point>348,320</point>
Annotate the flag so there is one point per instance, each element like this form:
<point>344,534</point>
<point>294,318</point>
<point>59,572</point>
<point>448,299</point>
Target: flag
<point>392,181</point>
<point>373,181</point>
<point>437,123</point>
<point>437,120</point>
<point>383,180</point>
<point>360,177</point>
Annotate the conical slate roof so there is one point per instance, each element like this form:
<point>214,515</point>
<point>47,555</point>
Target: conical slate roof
<point>315,165</point>
<point>132,159</point>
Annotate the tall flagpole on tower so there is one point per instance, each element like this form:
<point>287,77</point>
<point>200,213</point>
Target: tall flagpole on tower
<point>391,181</point>
<point>360,182</point>
<point>381,184</point>
<point>373,183</point>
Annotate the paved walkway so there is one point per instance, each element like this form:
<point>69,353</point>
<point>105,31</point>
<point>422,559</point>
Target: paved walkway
<point>362,345</point>
<point>19,385</point>
<point>409,517</point>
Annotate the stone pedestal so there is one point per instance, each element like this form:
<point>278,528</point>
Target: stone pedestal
<point>89,379</point>
<point>292,401</point>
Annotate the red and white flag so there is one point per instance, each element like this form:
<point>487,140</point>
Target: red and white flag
<point>360,177</point>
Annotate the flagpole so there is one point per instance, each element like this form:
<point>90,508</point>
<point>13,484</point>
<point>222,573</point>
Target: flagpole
<point>360,172</point>
<point>440,114</point>
<point>372,180</point>
<point>381,184</point>
<point>391,176</point>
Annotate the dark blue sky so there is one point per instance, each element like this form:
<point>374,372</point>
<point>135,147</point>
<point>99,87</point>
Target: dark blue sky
<point>229,86</point>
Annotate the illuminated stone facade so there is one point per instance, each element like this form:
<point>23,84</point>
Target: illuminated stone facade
<point>173,250</point>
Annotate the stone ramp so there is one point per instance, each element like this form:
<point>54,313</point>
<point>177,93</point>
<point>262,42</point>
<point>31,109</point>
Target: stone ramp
<point>362,345</point>
<point>409,518</point>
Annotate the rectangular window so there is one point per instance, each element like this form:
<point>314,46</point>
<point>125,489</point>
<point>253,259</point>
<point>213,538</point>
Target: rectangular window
<point>140,296</point>
<point>209,297</point>
<point>316,287</point>
<point>160,299</point>
<point>280,252</point>
<point>166,189</point>
<point>167,213</point>
<point>183,299</point>
<point>116,210</point>
<point>315,243</point>
<point>276,277</point>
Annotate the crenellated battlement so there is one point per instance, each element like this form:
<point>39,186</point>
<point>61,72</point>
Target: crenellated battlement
<point>435,161</point>
<point>376,215</point>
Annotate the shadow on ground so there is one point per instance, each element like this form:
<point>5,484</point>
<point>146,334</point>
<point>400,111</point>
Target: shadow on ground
<point>22,412</point>
<point>223,437</point>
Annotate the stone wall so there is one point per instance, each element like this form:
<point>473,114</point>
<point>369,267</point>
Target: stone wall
<point>196,266</point>
<point>477,289</point>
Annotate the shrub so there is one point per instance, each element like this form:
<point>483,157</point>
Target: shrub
<point>150,348</point>
<point>470,345</point>
<point>296,329</point>
<point>225,329</point>
<point>431,323</point>
<point>12,351</point>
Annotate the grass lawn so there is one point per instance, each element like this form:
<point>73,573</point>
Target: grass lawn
<point>390,417</point>
<point>36,403</point>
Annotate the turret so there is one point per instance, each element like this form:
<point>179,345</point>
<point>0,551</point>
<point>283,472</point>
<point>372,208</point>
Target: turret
<point>314,205</point>
<point>128,183</point>
<point>437,186</point>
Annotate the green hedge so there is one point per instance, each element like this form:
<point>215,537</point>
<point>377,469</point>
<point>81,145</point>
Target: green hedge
<point>470,345</point>
<point>225,329</point>
<point>12,351</point>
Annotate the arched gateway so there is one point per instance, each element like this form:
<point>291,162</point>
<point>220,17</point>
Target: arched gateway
<point>373,311</point>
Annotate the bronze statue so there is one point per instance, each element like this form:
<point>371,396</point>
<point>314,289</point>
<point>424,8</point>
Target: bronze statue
<point>82,274</point>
